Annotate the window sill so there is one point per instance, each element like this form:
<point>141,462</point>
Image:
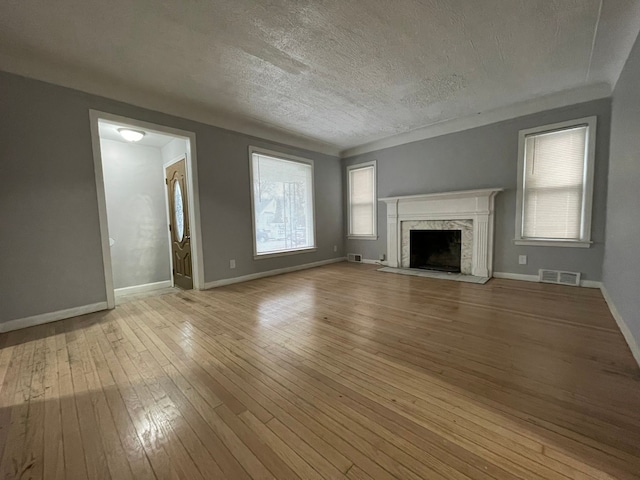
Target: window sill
<point>283,253</point>
<point>362,237</point>
<point>553,243</point>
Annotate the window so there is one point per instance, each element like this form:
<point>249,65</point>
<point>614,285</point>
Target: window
<point>362,201</point>
<point>555,184</point>
<point>282,198</point>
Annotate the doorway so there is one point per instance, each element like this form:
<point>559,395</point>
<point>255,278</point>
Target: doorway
<point>148,206</point>
<point>179,227</point>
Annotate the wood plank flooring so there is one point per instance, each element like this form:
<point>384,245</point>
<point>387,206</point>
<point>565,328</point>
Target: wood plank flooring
<point>339,372</point>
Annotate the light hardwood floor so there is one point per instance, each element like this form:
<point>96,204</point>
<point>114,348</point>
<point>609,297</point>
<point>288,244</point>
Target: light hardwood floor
<point>335,372</point>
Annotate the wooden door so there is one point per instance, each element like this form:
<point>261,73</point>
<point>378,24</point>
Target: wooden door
<point>176,180</point>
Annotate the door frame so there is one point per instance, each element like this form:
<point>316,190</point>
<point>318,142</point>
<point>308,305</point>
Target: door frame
<point>168,211</point>
<point>193,197</point>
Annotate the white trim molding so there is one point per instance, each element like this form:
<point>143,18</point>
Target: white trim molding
<point>312,231</point>
<point>350,168</point>
<point>145,287</point>
<point>193,195</point>
<point>370,261</point>
<point>552,243</point>
<point>634,346</point>
<point>475,205</point>
<point>51,317</point>
<point>271,273</point>
<point>587,191</point>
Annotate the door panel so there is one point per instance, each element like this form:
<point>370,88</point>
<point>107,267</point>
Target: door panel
<point>179,224</point>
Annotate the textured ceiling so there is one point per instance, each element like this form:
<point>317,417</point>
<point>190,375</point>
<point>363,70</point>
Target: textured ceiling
<point>342,73</point>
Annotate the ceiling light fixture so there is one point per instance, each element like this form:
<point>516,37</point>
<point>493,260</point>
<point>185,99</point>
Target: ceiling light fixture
<point>131,135</point>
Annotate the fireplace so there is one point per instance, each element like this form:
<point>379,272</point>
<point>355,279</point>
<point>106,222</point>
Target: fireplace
<point>439,250</point>
<point>470,211</point>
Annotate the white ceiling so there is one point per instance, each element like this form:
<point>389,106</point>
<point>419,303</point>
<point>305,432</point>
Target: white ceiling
<point>109,131</point>
<point>331,74</point>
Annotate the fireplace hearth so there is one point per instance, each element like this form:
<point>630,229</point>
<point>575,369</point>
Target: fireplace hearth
<point>438,250</point>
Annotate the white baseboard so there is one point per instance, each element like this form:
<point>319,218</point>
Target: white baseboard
<point>622,325</point>
<point>590,284</point>
<point>145,287</point>
<point>372,262</point>
<point>270,273</point>
<point>516,276</point>
<point>534,278</point>
<point>51,317</point>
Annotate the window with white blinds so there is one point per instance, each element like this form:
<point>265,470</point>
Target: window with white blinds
<point>362,200</point>
<point>554,193</point>
<point>282,198</point>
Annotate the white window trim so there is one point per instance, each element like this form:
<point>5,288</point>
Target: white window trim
<point>587,198</point>
<point>375,201</point>
<point>292,158</point>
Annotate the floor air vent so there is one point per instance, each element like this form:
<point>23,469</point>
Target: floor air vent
<point>354,257</point>
<point>557,276</point>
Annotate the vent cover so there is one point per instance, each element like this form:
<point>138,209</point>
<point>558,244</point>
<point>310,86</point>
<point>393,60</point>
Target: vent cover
<point>557,276</point>
<point>354,257</point>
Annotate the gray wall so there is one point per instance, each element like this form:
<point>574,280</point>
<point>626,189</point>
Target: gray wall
<point>486,157</point>
<point>622,261</point>
<point>136,212</point>
<point>50,238</point>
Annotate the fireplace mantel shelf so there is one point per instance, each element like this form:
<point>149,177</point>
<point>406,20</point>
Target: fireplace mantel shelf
<point>483,192</point>
<point>475,205</point>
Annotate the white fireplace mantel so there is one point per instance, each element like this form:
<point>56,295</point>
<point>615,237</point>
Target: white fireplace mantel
<point>475,205</point>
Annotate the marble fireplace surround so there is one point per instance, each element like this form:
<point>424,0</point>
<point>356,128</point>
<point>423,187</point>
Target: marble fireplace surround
<point>465,227</point>
<point>474,207</point>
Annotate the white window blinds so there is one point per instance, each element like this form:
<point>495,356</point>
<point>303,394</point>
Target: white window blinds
<point>282,204</point>
<point>362,201</point>
<point>554,183</point>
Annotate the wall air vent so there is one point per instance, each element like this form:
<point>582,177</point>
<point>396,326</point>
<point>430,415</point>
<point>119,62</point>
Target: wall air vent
<point>354,257</point>
<point>557,276</point>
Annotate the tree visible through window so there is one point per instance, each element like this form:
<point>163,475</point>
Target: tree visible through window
<point>282,204</point>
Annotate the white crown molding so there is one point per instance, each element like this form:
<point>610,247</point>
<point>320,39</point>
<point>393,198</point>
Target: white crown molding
<point>51,317</point>
<point>27,65</point>
<point>535,105</point>
<point>270,273</point>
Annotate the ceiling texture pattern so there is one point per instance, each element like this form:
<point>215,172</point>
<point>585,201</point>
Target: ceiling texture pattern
<point>338,73</point>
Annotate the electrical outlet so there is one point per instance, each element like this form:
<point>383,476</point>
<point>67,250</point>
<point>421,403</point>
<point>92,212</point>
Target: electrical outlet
<point>232,264</point>
<point>522,259</point>
<point>335,248</point>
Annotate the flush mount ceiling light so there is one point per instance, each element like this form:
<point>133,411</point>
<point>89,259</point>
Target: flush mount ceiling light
<point>131,135</point>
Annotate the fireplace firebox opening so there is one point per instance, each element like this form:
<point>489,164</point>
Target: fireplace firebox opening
<point>436,250</point>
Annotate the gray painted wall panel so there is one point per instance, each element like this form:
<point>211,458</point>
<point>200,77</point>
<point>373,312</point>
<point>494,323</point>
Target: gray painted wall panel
<point>486,157</point>
<point>49,212</point>
<point>622,258</point>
